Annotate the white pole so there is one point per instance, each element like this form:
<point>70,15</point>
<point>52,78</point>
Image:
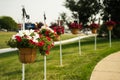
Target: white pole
<point>44,67</point>
<point>95,41</point>
<point>79,35</point>
<point>110,37</point>
<point>23,27</point>
<point>60,52</point>
<point>23,71</point>
<point>23,65</point>
<point>60,44</point>
<point>79,46</point>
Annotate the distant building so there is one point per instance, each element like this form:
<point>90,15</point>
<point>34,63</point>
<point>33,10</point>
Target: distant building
<point>27,26</point>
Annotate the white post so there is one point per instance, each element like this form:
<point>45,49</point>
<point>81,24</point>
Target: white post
<point>23,71</point>
<point>79,46</point>
<point>44,67</point>
<point>23,27</point>
<point>110,37</point>
<point>60,44</point>
<point>60,52</point>
<point>23,65</point>
<point>79,36</point>
<point>95,41</point>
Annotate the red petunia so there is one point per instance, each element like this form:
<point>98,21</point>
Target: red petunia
<point>47,52</point>
<point>47,33</point>
<point>31,41</point>
<point>48,38</point>
<point>18,38</point>
<point>40,43</point>
<point>49,47</point>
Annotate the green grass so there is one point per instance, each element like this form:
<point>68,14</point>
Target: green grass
<point>67,36</point>
<point>4,36</point>
<point>75,66</point>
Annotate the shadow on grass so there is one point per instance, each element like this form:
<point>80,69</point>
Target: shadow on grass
<point>8,54</point>
<point>12,73</point>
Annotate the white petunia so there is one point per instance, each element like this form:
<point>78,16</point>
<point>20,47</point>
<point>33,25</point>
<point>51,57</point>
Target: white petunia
<point>36,35</point>
<point>31,31</point>
<point>35,40</point>
<point>13,37</point>
<point>45,27</point>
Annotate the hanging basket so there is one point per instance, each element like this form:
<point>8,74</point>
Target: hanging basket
<point>75,31</point>
<point>110,27</point>
<point>27,55</point>
<point>94,31</point>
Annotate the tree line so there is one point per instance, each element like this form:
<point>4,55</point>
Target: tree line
<point>8,23</point>
<point>88,9</point>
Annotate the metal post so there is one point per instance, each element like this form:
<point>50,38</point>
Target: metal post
<point>95,41</point>
<point>110,38</point>
<point>79,46</point>
<point>23,27</point>
<point>23,71</point>
<point>44,67</point>
<point>60,52</point>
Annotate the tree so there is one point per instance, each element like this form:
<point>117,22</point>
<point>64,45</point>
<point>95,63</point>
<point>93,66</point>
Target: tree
<point>8,23</point>
<point>112,12</point>
<point>84,8</point>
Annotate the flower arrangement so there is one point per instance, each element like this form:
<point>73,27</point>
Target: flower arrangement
<point>46,31</point>
<point>110,23</point>
<point>58,29</point>
<point>74,25</point>
<point>24,39</point>
<point>46,40</point>
<point>41,39</point>
<point>94,26</point>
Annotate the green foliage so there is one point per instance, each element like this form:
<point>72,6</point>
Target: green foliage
<point>116,31</point>
<point>85,8</point>
<point>8,23</point>
<point>112,11</point>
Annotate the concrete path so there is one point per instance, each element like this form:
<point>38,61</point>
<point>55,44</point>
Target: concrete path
<point>108,68</point>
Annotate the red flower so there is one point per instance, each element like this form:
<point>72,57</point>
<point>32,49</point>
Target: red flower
<point>47,52</point>
<point>110,23</point>
<point>18,38</point>
<point>49,47</point>
<point>75,25</point>
<point>31,41</point>
<point>94,25</point>
<point>47,33</point>
<point>40,43</point>
<point>48,38</point>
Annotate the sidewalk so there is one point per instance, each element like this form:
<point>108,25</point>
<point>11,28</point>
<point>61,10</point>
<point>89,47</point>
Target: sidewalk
<point>108,68</point>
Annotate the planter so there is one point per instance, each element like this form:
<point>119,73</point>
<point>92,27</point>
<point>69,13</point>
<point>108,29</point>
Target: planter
<point>75,31</point>
<point>94,31</point>
<point>110,27</point>
<point>27,55</point>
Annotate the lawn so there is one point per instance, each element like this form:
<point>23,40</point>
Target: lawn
<point>75,66</point>
<point>4,36</point>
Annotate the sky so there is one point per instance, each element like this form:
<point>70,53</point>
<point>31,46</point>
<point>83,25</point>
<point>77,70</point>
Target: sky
<point>34,8</point>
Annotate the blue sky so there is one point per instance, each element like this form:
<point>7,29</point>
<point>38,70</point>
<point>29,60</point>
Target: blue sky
<point>34,8</point>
